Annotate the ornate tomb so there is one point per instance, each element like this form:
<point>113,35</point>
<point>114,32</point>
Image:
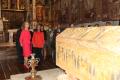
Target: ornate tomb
<point>91,53</point>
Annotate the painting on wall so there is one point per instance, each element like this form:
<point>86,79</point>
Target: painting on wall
<point>13,4</point>
<point>22,4</point>
<point>4,4</point>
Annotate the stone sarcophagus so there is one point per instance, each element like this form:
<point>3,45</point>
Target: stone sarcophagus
<point>91,53</point>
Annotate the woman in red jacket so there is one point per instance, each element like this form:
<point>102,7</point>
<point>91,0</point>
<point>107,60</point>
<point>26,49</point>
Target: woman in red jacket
<point>38,42</point>
<point>25,42</point>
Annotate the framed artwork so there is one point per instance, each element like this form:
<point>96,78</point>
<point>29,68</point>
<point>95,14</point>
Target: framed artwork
<point>4,4</point>
<point>13,4</point>
<point>40,13</point>
<point>22,4</point>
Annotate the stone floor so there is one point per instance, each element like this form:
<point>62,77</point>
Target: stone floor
<point>7,53</point>
<point>51,74</point>
<point>9,65</point>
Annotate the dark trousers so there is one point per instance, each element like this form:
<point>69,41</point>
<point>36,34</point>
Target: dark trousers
<point>38,53</point>
<point>20,54</point>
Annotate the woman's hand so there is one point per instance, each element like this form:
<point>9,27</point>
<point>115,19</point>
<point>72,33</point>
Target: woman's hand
<point>26,62</point>
<point>21,45</point>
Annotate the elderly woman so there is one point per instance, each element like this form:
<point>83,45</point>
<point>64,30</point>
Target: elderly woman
<point>25,42</point>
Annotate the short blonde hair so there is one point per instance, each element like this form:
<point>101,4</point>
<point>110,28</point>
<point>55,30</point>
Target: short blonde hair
<point>23,25</point>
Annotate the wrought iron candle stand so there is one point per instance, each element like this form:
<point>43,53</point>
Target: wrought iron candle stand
<point>32,63</point>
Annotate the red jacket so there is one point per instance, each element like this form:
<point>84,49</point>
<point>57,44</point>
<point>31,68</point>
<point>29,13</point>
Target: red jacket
<point>38,39</point>
<point>25,42</point>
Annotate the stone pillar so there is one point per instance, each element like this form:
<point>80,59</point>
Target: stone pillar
<point>27,9</point>
<point>50,13</point>
<point>34,23</point>
<point>0,8</point>
<point>18,4</point>
<point>34,9</point>
<point>9,4</point>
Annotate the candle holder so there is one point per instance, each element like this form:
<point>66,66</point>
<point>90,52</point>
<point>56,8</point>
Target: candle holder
<point>32,63</point>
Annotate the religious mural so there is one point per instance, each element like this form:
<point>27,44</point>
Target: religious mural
<point>13,4</point>
<point>77,11</point>
<point>4,4</point>
<point>114,10</point>
<point>13,11</point>
<point>22,4</point>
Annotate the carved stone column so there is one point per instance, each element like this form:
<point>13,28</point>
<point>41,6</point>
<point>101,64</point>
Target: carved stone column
<point>28,10</point>
<point>0,9</point>
<point>34,23</point>
<point>18,4</point>
<point>34,9</point>
<point>50,13</point>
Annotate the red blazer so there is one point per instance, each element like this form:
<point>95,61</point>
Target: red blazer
<point>38,39</point>
<point>25,42</point>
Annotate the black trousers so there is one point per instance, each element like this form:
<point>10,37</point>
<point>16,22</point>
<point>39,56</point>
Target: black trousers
<point>20,54</point>
<point>38,53</point>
